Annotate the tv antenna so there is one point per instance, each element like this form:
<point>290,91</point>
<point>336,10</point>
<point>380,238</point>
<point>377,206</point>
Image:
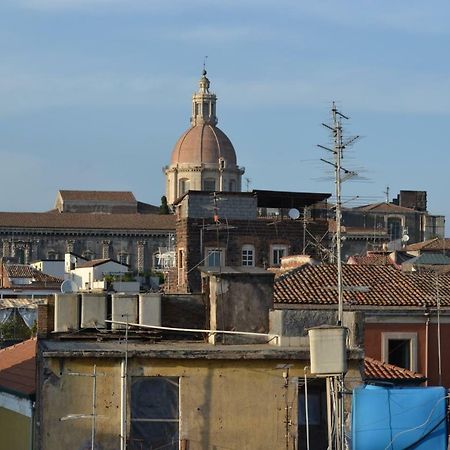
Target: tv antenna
<point>340,143</point>
<point>341,175</point>
<point>386,193</point>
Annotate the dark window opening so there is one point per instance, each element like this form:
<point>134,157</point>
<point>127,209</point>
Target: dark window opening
<point>317,416</point>
<point>154,413</point>
<point>399,352</point>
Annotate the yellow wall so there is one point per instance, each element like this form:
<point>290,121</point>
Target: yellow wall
<point>238,404</point>
<point>15,431</point>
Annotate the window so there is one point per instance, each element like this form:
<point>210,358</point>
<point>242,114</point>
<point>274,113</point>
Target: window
<point>232,185</point>
<point>394,228</point>
<point>276,253</point>
<point>400,349</point>
<point>248,255</point>
<point>215,257</point>
<point>88,254</point>
<point>183,186</point>
<point>154,413</point>
<point>317,415</point>
<point>52,255</point>
<point>180,262</point>
<point>123,258</point>
<point>209,184</point>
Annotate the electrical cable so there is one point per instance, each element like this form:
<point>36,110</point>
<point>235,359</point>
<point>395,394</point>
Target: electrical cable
<point>418,426</point>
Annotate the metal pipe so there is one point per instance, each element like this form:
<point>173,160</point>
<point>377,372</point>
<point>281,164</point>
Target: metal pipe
<point>306,411</point>
<point>194,330</point>
<point>94,406</point>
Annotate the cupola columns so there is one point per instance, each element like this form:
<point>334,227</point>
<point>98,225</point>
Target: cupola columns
<point>204,104</point>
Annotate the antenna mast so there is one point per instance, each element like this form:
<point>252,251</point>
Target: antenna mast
<point>341,175</point>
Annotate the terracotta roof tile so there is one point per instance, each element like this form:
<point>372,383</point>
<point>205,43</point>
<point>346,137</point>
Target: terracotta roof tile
<point>18,368</point>
<point>145,222</point>
<point>26,271</point>
<point>97,262</point>
<point>430,244</point>
<point>377,370</point>
<point>371,286</point>
<point>110,196</point>
<point>384,207</point>
<point>377,259</point>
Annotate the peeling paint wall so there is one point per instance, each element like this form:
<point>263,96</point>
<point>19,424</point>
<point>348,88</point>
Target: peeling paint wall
<point>231,404</point>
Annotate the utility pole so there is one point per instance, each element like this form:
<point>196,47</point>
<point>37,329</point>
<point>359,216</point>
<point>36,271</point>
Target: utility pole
<point>341,175</point>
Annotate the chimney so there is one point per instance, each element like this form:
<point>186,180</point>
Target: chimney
<point>240,299</point>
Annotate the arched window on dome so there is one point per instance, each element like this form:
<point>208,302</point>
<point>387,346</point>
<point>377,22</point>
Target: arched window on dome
<point>183,186</point>
<point>232,185</point>
<point>209,184</point>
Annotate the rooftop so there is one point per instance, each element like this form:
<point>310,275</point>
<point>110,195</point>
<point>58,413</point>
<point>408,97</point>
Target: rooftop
<point>377,370</point>
<point>95,196</point>
<point>17,368</point>
<point>367,286</point>
<point>83,221</point>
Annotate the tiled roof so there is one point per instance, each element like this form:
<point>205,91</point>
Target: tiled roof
<point>430,244</point>
<point>110,196</point>
<point>429,258</point>
<point>375,259</point>
<point>18,368</point>
<point>370,286</point>
<point>377,370</point>
<point>26,271</point>
<point>97,262</point>
<point>146,222</point>
<point>384,207</point>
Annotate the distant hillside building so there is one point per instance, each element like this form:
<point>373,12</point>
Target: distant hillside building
<point>93,224</point>
<point>203,157</point>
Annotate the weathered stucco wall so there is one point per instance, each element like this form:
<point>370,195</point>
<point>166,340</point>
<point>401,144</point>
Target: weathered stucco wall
<point>15,431</point>
<point>224,404</point>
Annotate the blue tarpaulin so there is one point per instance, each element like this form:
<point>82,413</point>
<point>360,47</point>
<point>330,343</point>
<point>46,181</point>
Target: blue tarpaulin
<point>388,418</point>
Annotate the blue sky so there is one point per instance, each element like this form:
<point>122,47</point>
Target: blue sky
<point>95,93</point>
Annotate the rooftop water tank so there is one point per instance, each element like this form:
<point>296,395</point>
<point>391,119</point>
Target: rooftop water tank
<point>328,351</point>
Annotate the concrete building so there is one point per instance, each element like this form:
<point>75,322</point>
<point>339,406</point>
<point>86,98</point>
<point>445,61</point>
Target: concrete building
<point>171,388</point>
<point>92,224</point>
<point>243,229</point>
<point>405,314</point>
<point>203,158</point>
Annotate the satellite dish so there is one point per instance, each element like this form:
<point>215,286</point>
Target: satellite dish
<point>68,286</point>
<point>405,238</point>
<point>294,213</point>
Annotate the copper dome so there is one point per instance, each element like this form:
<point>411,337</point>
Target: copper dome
<point>203,144</point>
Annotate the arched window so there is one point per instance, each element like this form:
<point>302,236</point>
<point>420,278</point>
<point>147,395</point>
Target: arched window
<point>232,186</point>
<point>183,186</point>
<point>248,255</point>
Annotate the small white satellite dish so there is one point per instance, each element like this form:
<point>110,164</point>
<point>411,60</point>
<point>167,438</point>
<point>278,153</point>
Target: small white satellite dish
<point>294,213</point>
<point>405,238</point>
<point>68,286</point>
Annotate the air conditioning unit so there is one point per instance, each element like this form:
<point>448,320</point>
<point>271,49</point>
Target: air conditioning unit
<point>66,312</point>
<point>93,311</point>
<point>124,309</point>
<point>150,309</point>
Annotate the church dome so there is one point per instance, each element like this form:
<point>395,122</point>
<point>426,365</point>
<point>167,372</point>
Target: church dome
<point>203,144</point>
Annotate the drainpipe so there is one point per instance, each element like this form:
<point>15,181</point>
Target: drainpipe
<point>427,331</point>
